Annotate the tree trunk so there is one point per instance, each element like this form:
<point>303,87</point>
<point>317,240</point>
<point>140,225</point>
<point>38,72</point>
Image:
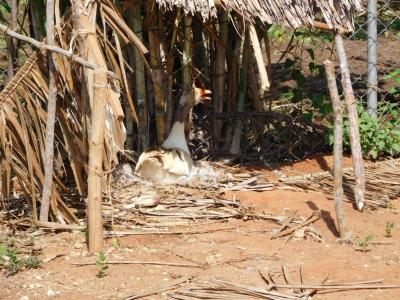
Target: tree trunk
<point>51,117</point>
<point>97,84</point>
<point>358,163</point>
<point>337,150</point>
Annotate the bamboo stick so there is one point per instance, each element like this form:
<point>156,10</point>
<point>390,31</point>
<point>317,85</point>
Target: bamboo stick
<point>235,146</point>
<point>187,56</point>
<point>51,117</point>
<point>337,150</point>
<point>262,71</point>
<point>140,81</point>
<point>170,67</point>
<point>12,43</point>
<point>219,74</point>
<point>155,61</point>
<point>358,163</point>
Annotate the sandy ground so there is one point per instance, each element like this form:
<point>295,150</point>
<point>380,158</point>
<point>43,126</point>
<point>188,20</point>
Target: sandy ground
<point>236,255</point>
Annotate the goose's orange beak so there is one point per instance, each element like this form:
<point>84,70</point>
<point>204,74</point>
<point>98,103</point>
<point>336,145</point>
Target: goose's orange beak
<point>205,95</point>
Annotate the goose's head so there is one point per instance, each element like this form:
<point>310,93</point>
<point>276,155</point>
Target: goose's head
<point>194,96</point>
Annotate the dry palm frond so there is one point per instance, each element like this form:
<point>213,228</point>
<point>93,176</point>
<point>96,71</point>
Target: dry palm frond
<point>23,117</point>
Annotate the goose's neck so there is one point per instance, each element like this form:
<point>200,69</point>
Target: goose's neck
<point>176,137</point>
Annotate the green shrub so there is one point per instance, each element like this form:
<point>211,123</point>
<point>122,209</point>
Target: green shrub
<point>379,136</point>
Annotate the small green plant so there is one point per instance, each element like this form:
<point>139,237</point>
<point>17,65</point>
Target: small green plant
<point>101,264</point>
<point>391,206</point>
<point>32,262</point>
<point>364,243</point>
<point>115,243</point>
<point>389,229</point>
<point>10,261</point>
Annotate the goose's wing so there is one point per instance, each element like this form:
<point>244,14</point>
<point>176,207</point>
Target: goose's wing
<point>177,162</point>
<point>164,166</point>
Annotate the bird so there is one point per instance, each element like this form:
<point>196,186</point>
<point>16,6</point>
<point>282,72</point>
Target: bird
<point>172,162</point>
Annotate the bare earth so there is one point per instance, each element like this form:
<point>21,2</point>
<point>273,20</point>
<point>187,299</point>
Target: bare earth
<point>235,255</point>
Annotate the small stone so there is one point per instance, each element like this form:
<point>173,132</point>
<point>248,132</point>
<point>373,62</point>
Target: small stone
<point>50,293</point>
<point>24,298</point>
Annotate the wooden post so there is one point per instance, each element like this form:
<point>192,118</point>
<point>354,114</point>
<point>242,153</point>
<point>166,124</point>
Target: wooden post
<point>95,173</point>
<point>97,84</point>
<point>358,163</point>
<point>51,117</point>
<point>337,150</point>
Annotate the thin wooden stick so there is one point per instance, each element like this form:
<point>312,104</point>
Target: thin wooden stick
<point>172,286</point>
<point>337,150</point>
<point>339,287</point>
<point>137,262</point>
<point>358,163</point>
<point>43,46</point>
<point>55,226</point>
<point>121,233</point>
<point>51,117</point>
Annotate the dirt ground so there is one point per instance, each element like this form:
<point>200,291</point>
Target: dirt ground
<point>236,255</point>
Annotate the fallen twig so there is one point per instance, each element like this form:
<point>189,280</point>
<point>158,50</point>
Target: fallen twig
<point>172,286</point>
<point>160,232</point>
<point>314,217</point>
<point>136,262</point>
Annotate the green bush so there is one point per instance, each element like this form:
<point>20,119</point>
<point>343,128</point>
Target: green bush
<point>379,136</point>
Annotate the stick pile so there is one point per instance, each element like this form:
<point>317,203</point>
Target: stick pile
<point>382,183</point>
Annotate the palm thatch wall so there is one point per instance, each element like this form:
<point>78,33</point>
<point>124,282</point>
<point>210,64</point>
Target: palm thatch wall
<point>337,14</point>
<point>143,54</point>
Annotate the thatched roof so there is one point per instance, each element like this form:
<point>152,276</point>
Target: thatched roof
<point>302,13</point>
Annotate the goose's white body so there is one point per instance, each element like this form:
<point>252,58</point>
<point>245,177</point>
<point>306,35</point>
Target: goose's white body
<point>171,163</point>
<point>164,166</point>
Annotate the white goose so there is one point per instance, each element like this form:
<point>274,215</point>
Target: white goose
<point>172,162</point>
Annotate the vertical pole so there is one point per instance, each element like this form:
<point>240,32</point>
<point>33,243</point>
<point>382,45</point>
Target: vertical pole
<point>51,117</point>
<point>97,85</point>
<point>337,150</point>
<point>355,143</point>
<point>372,59</point>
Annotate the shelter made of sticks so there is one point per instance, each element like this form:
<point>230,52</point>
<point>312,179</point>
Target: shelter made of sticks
<point>147,50</point>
